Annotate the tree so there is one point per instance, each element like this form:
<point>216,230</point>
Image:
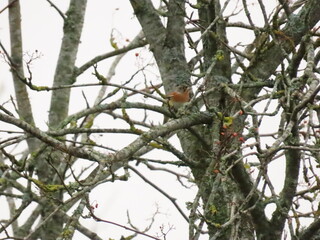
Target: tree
<point>227,143</point>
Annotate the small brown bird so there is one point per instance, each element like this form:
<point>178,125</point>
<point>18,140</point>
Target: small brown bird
<point>179,97</point>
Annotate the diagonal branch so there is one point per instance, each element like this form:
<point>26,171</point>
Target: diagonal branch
<point>151,24</point>
<point>167,44</point>
<point>122,155</point>
<point>136,43</point>
<point>297,26</point>
<point>171,199</point>
<point>42,136</point>
<point>311,231</point>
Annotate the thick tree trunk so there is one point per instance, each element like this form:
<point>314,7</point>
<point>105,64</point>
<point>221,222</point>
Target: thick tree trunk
<point>64,75</point>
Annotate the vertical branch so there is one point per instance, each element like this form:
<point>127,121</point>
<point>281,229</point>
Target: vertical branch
<point>214,41</point>
<point>66,62</point>
<point>174,64</point>
<point>293,157</point>
<point>176,24</point>
<point>64,75</point>
<point>23,102</point>
<point>167,44</point>
<point>151,24</point>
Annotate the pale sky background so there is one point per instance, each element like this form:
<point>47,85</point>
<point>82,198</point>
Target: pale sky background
<point>42,31</point>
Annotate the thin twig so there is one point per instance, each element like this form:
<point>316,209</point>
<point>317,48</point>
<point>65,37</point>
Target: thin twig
<point>58,10</point>
<point>173,200</point>
<point>96,218</point>
<point>9,5</point>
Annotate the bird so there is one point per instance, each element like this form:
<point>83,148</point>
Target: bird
<point>179,97</point>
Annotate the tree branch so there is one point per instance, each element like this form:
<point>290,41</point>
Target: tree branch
<point>150,22</point>
<point>16,61</point>
<point>171,199</point>
<point>64,73</point>
<point>296,27</point>
<point>136,43</point>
